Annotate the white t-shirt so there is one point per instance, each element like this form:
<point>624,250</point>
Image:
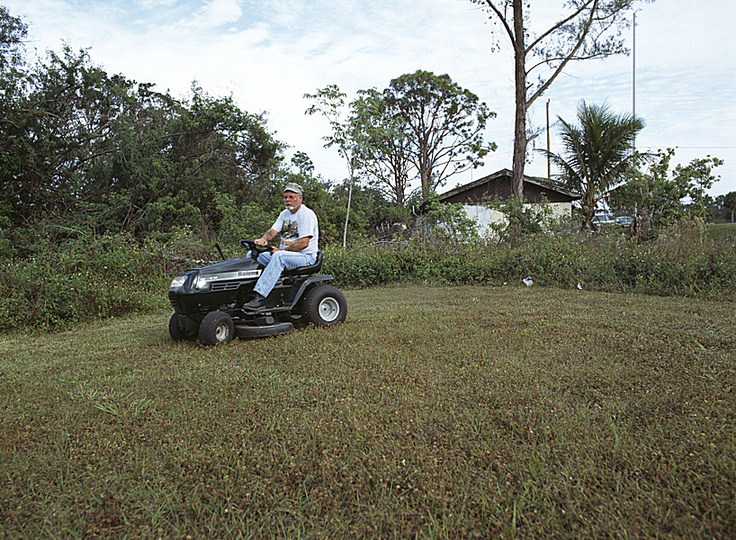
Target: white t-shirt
<point>292,227</point>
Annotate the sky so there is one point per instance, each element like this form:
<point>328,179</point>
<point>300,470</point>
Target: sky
<point>267,54</point>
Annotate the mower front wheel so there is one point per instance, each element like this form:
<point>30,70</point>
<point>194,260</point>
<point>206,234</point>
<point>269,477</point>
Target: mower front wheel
<point>181,328</point>
<point>217,328</point>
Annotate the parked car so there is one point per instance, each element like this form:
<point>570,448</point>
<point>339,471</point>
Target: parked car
<point>603,220</point>
<point>624,221</point>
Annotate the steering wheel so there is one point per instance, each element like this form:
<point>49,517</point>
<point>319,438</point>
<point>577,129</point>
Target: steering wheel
<point>254,249</point>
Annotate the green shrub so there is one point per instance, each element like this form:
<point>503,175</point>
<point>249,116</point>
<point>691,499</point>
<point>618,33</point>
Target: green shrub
<point>678,264</point>
<point>84,279</point>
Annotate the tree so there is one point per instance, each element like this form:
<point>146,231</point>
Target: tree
<point>330,103</point>
<point>93,151</point>
<point>728,202</point>
<point>59,136</point>
<point>12,89</point>
<point>597,154</point>
<point>13,32</point>
<point>441,126</point>
<point>660,192</point>
<point>698,176</point>
<point>385,155</point>
<point>587,29</point>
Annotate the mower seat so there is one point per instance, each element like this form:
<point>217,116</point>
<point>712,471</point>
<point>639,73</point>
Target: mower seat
<point>305,270</point>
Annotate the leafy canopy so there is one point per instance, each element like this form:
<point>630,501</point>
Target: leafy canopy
<point>597,154</point>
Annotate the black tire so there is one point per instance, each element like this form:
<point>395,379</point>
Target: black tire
<point>217,328</point>
<point>182,328</point>
<point>325,305</point>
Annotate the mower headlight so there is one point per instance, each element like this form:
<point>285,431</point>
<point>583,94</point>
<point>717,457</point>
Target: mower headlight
<point>202,282</point>
<point>177,282</point>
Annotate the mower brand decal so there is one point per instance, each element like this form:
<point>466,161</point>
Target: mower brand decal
<point>230,275</point>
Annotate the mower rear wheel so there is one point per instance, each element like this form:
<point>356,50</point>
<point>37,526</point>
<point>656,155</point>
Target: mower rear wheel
<point>325,305</point>
<point>217,328</point>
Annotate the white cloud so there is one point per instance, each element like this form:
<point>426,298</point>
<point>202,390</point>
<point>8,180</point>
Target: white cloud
<point>155,3</point>
<point>216,13</point>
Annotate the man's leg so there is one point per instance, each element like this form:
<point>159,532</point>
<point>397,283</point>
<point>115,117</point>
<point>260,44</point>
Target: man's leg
<point>264,258</point>
<point>275,263</point>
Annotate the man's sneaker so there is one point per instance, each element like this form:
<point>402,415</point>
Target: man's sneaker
<point>257,303</point>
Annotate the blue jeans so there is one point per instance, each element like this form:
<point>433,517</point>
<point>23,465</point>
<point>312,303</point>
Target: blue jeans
<point>275,263</point>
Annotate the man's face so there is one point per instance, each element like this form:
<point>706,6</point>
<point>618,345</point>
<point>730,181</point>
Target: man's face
<point>292,201</point>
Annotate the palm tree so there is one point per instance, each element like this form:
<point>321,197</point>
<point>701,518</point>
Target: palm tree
<point>597,154</point>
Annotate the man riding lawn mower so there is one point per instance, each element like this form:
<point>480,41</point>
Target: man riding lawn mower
<point>263,294</point>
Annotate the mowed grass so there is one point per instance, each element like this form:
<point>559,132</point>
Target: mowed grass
<point>431,413</point>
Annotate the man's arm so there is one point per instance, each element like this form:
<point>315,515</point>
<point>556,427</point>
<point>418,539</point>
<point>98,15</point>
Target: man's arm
<point>266,238</point>
<point>299,245</point>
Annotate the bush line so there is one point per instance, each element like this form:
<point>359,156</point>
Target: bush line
<point>113,275</point>
<point>608,263</point>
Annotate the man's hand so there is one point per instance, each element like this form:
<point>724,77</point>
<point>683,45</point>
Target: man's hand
<point>263,240</point>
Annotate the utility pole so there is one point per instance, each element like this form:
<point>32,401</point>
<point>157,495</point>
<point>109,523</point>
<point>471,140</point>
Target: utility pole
<point>549,171</point>
<point>633,106</point>
<point>633,75</point>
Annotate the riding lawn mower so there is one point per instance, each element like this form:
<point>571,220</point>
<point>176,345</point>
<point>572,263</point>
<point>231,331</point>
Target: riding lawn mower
<point>209,301</point>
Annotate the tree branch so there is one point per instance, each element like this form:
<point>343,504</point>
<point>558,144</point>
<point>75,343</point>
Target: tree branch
<point>501,18</point>
<point>543,88</point>
<point>559,24</point>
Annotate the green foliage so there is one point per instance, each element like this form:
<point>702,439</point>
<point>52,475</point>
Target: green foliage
<point>62,281</point>
<point>698,177</point>
<point>660,192</point>
<point>726,204</point>
<point>88,150</point>
<point>238,222</point>
<point>597,155</point>
<point>13,32</point>
<point>346,136</point>
<point>83,279</point>
<point>445,225</point>
<point>441,126</point>
<point>385,162</point>
<point>685,262</point>
<point>521,218</point>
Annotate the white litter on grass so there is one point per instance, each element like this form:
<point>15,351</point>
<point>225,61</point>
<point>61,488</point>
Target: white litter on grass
<point>580,286</point>
<point>527,281</point>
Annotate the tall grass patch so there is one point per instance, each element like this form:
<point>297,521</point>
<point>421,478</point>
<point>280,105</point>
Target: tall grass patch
<point>60,283</point>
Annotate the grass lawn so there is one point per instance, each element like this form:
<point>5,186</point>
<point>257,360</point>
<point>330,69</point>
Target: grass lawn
<point>723,230</point>
<point>432,412</point>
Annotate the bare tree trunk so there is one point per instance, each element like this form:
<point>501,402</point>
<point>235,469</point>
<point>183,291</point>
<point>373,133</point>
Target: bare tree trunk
<point>520,115</point>
<point>425,185</point>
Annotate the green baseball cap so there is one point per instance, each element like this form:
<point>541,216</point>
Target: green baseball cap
<point>293,186</point>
